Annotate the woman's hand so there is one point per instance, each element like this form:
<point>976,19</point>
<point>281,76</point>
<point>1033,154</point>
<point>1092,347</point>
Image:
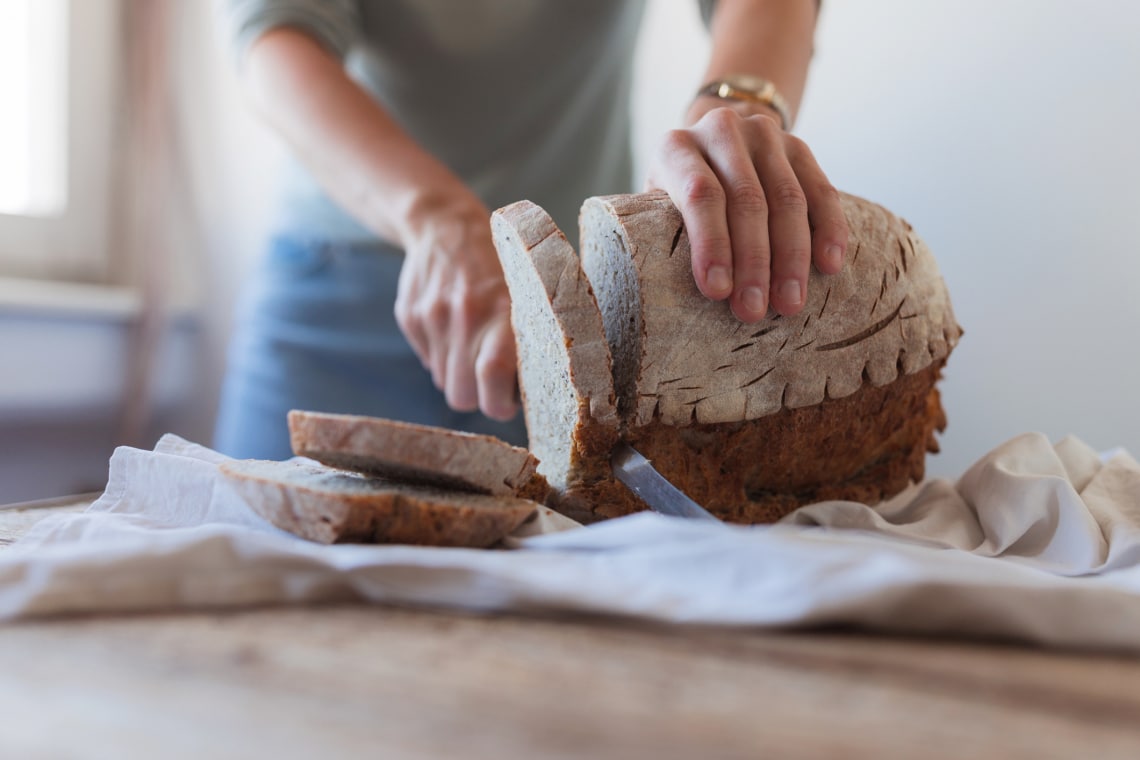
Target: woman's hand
<point>453,306</point>
<point>757,207</point>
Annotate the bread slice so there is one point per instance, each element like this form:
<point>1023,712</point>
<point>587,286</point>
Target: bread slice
<point>564,361</point>
<point>414,453</point>
<point>751,421</point>
<point>332,506</point>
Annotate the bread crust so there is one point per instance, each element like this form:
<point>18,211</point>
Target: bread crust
<point>864,447</point>
<point>415,453</point>
<point>887,313</point>
<point>330,506</point>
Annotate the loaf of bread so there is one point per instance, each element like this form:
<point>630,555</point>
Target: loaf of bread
<point>331,506</point>
<point>411,453</point>
<point>751,421</point>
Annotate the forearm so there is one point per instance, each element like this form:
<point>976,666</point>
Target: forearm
<point>356,151</point>
<point>766,38</point>
<point>452,302</point>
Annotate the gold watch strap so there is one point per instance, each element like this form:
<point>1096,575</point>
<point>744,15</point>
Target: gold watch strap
<point>750,89</point>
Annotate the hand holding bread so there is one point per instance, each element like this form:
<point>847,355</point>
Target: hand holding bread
<point>758,209</point>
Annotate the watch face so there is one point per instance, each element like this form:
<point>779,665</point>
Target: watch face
<point>746,82</point>
<point>746,86</point>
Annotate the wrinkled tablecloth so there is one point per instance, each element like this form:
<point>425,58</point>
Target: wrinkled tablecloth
<point>1036,542</point>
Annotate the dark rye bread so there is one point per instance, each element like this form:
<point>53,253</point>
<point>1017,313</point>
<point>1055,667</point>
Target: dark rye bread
<point>332,506</point>
<point>753,421</point>
<point>412,453</point>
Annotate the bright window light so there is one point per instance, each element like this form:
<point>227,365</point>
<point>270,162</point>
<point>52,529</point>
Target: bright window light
<point>33,107</point>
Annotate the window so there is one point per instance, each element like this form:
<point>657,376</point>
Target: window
<point>33,140</point>
<point>58,65</point>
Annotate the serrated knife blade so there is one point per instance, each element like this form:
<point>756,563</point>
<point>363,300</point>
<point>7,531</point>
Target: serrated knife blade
<point>638,475</point>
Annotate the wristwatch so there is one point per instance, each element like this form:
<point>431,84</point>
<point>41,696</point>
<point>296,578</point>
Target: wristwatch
<point>749,88</point>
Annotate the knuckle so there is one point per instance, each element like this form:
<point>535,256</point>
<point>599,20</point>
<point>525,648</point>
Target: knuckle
<point>827,191</point>
<point>766,126</point>
<point>795,147</point>
<point>460,301</point>
<point>800,257</point>
<point>747,195</point>
<point>702,191</point>
<point>787,195</point>
<point>722,118</point>
<point>714,249</point>
<point>751,260</point>
<point>494,366</point>
<point>436,312</point>
<point>792,257</point>
<point>836,220</point>
<point>468,309</point>
<point>840,229</point>
<point>677,141</point>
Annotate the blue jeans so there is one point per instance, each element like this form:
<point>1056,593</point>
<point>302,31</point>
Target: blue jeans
<point>316,330</point>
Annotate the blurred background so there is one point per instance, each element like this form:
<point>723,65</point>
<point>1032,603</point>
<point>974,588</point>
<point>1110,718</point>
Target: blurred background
<point>134,186</point>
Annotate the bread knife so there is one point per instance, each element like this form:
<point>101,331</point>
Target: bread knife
<point>638,475</point>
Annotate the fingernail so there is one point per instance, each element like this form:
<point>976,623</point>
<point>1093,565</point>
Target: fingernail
<point>834,255</point>
<point>753,300</point>
<point>503,413</point>
<point>790,293</point>
<point>718,279</point>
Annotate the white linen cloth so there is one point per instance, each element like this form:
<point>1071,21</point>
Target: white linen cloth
<point>1035,542</point>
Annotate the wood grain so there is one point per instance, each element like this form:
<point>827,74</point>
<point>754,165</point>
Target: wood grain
<point>17,520</point>
<point>352,681</point>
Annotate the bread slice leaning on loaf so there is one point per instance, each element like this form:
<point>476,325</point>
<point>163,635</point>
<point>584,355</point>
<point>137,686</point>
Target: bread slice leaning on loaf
<point>414,453</point>
<point>565,374</point>
<point>754,420</point>
<point>331,506</point>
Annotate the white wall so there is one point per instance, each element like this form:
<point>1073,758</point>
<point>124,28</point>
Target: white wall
<point>1008,134</point>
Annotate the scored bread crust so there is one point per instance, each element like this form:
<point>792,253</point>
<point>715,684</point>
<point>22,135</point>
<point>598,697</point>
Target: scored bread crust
<point>330,506</point>
<point>565,372</point>
<point>417,453</point>
<point>752,421</point>
<point>689,360</point>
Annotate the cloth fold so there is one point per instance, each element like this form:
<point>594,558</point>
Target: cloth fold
<point>1035,542</point>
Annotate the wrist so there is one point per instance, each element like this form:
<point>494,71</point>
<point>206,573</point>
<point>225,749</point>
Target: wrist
<point>434,209</point>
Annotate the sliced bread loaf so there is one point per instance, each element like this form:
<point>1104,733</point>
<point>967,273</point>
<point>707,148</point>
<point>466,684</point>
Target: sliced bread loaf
<point>417,454</point>
<point>751,421</point>
<point>332,506</point>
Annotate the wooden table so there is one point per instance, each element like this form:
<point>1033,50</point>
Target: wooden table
<point>355,681</point>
